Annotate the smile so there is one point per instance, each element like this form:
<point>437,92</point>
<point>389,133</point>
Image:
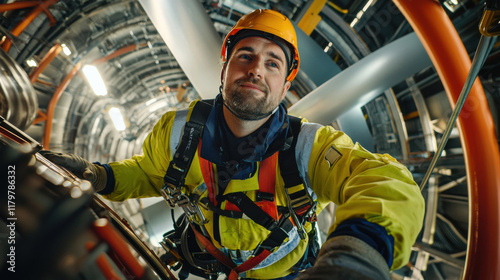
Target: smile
<point>252,87</point>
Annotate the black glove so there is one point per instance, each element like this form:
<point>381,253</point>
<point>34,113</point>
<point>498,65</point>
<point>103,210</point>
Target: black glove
<point>347,258</point>
<point>83,169</point>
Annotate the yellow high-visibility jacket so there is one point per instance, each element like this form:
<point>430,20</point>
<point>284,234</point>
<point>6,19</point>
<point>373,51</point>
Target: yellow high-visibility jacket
<point>362,184</point>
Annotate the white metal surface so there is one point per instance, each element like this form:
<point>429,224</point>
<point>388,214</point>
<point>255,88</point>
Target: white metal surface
<point>363,81</point>
<point>191,36</point>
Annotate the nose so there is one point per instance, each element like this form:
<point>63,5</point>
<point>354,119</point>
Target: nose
<point>256,69</point>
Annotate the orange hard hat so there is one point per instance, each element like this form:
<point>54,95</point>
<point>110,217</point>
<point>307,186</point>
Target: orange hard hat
<point>268,24</point>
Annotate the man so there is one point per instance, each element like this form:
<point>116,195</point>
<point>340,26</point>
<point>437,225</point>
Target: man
<point>254,218</point>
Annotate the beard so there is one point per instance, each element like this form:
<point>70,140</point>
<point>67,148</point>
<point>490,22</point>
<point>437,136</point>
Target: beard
<point>247,105</point>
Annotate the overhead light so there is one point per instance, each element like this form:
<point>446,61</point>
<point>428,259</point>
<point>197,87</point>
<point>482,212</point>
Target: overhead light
<point>31,62</point>
<point>117,118</point>
<point>95,80</point>
<point>361,13</point>
<point>452,5</point>
<point>367,5</point>
<point>328,47</point>
<point>66,50</point>
<point>354,21</point>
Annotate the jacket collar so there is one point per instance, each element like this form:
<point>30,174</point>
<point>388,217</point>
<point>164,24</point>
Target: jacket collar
<point>262,143</point>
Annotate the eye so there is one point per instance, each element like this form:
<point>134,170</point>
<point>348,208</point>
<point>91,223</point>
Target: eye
<point>245,56</point>
<point>273,64</point>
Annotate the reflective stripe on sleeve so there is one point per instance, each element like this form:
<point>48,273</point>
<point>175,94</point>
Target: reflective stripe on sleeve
<point>180,120</point>
<point>303,152</point>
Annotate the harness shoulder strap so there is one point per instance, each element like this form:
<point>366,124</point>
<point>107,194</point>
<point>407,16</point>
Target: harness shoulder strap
<point>300,203</point>
<point>288,163</point>
<point>184,154</point>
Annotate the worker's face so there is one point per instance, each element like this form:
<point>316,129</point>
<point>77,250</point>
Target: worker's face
<point>254,78</point>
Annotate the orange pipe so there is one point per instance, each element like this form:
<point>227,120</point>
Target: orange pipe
<point>53,103</point>
<point>477,132</point>
<point>51,18</point>
<point>117,53</point>
<point>29,18</point>
<point>51,54</point>
<point>106,268</point>
<point>46,83</point>
<point>102,262</point>
<point>41,117</point>
<point>17,5</point>
<point>106,232</point>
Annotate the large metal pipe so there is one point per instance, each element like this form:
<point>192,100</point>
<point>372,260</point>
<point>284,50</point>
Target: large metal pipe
<point>189,33</point>
<point>18,99</point>
<point>363,81</point>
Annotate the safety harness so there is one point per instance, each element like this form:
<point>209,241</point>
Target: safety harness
<point>301,207</point>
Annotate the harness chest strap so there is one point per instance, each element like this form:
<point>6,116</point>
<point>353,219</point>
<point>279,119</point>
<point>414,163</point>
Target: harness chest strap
<point>263,213</point>
<point>267,179</point>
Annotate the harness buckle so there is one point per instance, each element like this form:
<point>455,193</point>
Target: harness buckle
<point>194,213</point>
<point>265,196</point>
<point>313,218</point>
<point>175,197</point>
<point>300,228</point>
<point>310,215</point>
<point>171,194</point>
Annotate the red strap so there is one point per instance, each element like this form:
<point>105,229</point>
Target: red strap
<point>252,262</point>
<point>225,260</point>
<point>208,176</point>
<point>233,275</point>
<point>267,174</point>
<point>216,253</point>
<point>267,180</point>
<point>303,210</point>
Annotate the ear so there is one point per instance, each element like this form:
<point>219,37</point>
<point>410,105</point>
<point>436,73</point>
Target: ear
<point>223,72</point>
<point>286,87</point>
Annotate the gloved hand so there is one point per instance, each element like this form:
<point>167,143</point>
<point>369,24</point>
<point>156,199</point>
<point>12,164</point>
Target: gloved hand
<point>83,169</point>
<point>347,258</point>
